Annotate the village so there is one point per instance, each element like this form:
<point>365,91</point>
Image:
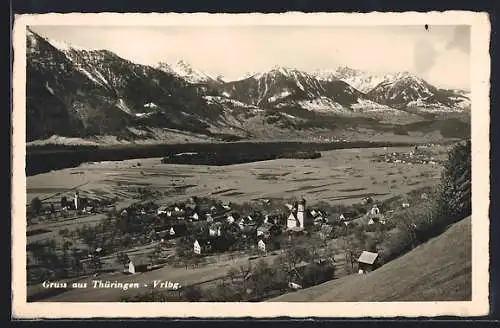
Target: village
<point>194,232</point>
<point>418,155</point>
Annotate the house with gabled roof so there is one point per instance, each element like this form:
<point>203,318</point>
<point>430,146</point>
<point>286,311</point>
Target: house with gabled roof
<point>202,245</point>
<point>368,261</point>
<point>230,219</point>
<point>139,263</point>
<point>215,229</point>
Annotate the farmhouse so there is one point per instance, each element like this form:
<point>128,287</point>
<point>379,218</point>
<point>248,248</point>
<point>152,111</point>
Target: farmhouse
<point>203,245</point>
<point>214,229</point>
<point>261,245</point>
<point>241,223</point>
<point>162,210</point>
<point>296,274</point>
<point>374,211</point>
<point>367,262</point>
<point>139,264</point>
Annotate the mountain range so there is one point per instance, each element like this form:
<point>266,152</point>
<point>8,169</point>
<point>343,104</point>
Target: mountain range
<point>79,93</point>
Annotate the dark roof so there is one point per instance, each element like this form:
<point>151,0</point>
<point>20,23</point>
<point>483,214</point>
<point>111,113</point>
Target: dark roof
<point>205,241</point>
<point>140,260</point>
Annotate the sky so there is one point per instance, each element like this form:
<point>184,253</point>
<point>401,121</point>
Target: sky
<point>439,54</point>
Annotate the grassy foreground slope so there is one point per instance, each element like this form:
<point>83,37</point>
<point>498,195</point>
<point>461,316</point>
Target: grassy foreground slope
<point>438,270</point>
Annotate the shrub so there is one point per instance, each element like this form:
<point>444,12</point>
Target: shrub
<point>193,293</point>
<point>315,274</point>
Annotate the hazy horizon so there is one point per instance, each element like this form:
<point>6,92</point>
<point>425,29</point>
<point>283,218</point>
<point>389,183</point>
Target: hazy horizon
<point>439,54</point>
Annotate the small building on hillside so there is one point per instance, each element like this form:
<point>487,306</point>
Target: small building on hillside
<point>367,262</point>
<point>296,274</point>
<point>139,264</point>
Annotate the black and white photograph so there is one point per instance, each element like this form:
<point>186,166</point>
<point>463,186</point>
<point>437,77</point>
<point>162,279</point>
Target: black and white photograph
<point>285,159</point>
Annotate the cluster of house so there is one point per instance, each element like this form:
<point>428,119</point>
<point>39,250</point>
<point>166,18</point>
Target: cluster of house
<point>223,220</point>
<point>257,229</point>
<point>414,156</point>
<point>76,203</point>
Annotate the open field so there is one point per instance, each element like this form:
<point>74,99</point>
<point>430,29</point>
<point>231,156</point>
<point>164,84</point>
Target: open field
<point>415,276</point>
<point>343,176</point>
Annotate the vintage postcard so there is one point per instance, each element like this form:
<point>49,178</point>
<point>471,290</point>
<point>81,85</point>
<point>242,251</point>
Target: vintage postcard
<point>263,165</point>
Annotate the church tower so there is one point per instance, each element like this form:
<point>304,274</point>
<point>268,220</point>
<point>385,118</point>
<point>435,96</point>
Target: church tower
<point>76,200</point>
<point>301,212</point>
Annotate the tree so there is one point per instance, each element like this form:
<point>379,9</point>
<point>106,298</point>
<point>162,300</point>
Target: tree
<point>193,293</point>
<point>262,279</point>
<point>454,196</point>
<point>122,258</point>
<point>317,273</point>
<point>245,269</point>
<point>64,201</point>
<point>36,205</point>
<point>232,274</point>
<point>96,263</point>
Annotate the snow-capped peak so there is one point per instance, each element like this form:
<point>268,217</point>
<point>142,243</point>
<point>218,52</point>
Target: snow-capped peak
<point>184,70</point>
<point>64,45</point>
<point>361,80</point>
